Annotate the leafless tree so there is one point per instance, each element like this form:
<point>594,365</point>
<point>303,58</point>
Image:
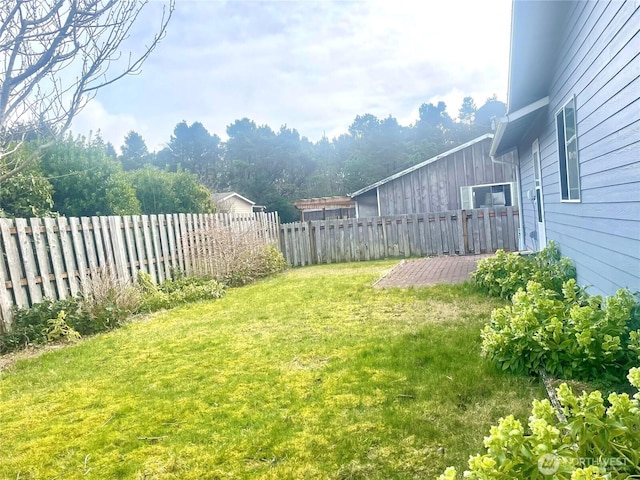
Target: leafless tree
<point>54,56</point>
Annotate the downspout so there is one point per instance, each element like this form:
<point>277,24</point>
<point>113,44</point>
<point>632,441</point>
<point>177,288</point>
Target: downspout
<point>516,166</point>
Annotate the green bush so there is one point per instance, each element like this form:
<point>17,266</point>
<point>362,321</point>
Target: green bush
<point>573,335</point>
<point>60,329</point>
<point>254,265</point>
<point>105,305</point>
<point>505,273</point>
<point>595,442</point>
<point>31,325</point>
<point>176,292</point>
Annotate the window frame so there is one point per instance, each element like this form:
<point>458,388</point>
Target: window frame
<point>470,197</point>
<point>563,153</point>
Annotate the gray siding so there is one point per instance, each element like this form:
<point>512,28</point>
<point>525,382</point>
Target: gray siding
<point>367,204</point>
<point>435,187</point>
<point>599,64</point>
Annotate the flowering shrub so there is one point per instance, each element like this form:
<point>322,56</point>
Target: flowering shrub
<point>596,441</point>
<point>573,335</point>
<point>505,273</point>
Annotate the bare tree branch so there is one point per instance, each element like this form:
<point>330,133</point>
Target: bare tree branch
<point>54,56</point>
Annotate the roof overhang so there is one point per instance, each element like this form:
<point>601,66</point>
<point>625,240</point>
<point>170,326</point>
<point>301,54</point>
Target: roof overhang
<point>536,27</point>
<point>511,127</point>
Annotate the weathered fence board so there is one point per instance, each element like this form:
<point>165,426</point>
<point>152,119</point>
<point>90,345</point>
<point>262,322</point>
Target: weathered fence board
<point>455,232</point>
<point>57,257</point>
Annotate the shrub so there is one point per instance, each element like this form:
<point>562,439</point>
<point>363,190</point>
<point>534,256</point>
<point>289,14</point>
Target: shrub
<point>253,265</point>
<point>235,254</point>
<point>105,305</point>
<point>505,273</point>
<point>59,329</point>
<point>31,325</point>
<point>595,441</point>
<point>176,292</point>
<point>573,335</point>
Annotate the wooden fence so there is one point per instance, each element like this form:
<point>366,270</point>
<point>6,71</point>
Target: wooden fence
<point>457,232</point>
<point>57,257</point>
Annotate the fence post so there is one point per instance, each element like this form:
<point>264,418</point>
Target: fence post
<point>460,215</point>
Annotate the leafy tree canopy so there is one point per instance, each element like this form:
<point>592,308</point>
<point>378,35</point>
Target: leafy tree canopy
<point>86,181</point>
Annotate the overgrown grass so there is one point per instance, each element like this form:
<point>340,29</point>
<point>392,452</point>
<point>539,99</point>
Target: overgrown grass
<point>309,374</point>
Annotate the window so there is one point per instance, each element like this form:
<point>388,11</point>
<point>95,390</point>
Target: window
<point>568,152</point>
<point>482,196</point>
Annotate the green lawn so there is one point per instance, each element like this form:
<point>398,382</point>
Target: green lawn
<point>310,374</point>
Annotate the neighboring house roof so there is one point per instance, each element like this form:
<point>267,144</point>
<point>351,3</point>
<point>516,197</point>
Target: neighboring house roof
<point>224,196</point>
<point>535,33</point>
<point>324,202</point>
<point>420,165</point>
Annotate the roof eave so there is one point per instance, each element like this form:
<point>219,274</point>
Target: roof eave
<point>503,122</point>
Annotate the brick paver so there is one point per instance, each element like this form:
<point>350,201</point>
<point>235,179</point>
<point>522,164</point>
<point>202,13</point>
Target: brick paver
<point>429,271</point>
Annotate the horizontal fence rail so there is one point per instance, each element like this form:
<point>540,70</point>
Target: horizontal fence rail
<point>57,257</point>
<point>455,232</point>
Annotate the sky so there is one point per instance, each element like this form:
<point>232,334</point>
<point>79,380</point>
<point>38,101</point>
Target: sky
<point>311,65</point>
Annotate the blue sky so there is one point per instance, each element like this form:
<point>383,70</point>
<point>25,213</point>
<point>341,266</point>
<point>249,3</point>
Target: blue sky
<point>313,65</point>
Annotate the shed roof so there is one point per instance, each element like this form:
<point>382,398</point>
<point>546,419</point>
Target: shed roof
<point>420,165</point>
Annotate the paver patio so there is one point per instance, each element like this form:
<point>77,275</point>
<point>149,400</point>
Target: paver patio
<point>429,271</point>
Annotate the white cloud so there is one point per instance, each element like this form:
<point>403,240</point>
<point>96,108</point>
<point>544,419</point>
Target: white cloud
<point>311,65</point>
<point>112,127</point>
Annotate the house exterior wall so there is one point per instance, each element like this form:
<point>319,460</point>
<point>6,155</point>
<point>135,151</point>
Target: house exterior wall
<point>599,64</point>
<point>436,186</point>
<point>235,205</point>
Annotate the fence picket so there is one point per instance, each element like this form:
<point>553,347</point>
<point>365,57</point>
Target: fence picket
<point>67,254</point>
<point>28,261</point>
<point>13,261</point>
<point>79,251</point>
<point>131,259</point>
<point>97,237</point>
<point>119,252</point>
<point>42,257</point>
<point>56,257</point>
<point>6,300</point>
<point>511,228</point>
<point>89,245</point>
<point>398,236</point>
<point>108,249</point>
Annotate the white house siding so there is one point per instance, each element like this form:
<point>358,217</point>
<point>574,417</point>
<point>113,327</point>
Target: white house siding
<point>237,205</point>
<point>598,63</point>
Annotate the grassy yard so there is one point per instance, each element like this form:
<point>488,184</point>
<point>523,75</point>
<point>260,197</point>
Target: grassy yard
<point>310,374</point>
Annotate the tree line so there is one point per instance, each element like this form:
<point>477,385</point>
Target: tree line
<point>86,176</point>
